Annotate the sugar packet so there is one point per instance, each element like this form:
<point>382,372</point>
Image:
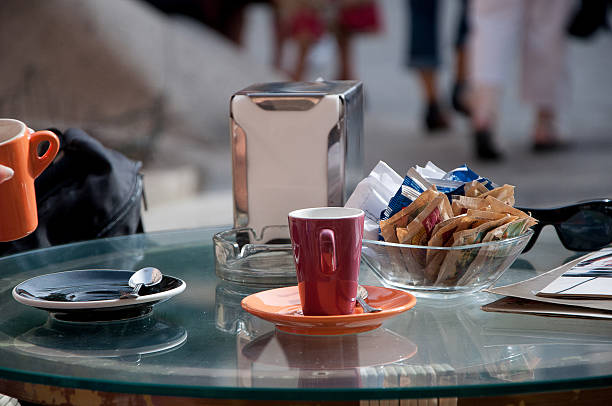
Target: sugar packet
<point>419,230</point>
<point>372,195</point>
<point>443,236</point>
<point>496,257</point>
<point>456,263</point>
<point>412,186</point>
<point>401,219</point>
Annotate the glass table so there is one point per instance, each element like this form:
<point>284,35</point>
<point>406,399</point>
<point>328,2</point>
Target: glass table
<point>200,346</point>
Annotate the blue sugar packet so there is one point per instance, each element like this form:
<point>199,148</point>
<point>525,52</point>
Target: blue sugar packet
<point>412,186</point>
<point>462,174</point>
<point>465,175</point>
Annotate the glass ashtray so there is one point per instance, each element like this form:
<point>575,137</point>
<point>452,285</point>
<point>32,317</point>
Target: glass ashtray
<point>242,256</point>
<point>442,271</point>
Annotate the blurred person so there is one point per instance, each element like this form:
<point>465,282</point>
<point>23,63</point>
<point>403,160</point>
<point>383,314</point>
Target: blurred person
<point>5,173</point>
<point>307,21</point>
<point>303,22</point>
<point>538,27</point>
<point>353,17</point>
<point>423,55</point>
<point>225,17</point>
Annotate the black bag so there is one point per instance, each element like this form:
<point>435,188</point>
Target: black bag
<point>87,192</point>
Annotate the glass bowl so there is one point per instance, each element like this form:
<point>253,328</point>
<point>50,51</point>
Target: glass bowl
<point>442,271</point>
<point>242,256</point>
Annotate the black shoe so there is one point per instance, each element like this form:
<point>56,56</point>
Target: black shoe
<point>457,99</point>
<point>484,147</point>
<point>434,119</point>
<point>554,145</point>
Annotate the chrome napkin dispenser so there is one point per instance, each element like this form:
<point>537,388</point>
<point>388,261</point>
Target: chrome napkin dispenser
<point>294,145</point>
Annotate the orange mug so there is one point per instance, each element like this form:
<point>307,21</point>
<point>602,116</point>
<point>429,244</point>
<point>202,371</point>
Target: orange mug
<point>19,151</point>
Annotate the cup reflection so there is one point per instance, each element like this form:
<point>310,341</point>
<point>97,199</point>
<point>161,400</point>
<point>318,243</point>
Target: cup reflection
<point>321,361</point>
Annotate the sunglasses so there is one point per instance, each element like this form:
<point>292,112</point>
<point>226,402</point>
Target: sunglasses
<point>584,226</point>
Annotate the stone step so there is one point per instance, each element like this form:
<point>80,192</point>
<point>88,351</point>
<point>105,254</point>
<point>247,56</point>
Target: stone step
<point>165,185</point>
<point>204,209</point>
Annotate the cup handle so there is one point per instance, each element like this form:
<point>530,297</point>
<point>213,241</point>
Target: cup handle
<point>39,163</point>
<point>327,247</point>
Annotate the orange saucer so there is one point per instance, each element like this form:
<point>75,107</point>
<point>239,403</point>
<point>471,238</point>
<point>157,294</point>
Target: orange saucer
<point>282,307</point>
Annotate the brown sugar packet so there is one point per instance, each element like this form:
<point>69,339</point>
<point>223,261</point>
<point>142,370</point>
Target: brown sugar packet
<point>434,262</point>
<point>474,189</point>
<point>501,207</point>
<point>419,230</point>
<point>442,236</point>
<point>504,193</point>
<point>398,263</point>
<point>436,257</point>
<point>457,262</point>
<point>444,230</point>
<point>495,256</point>
<point>511,229</point>
<point>486,215</point>
<point>461,204</point>
<point>405,216</point>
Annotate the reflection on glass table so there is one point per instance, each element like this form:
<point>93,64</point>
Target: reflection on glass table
<point>129,339</point>
<point>327,361</point>
<point>201,344</point>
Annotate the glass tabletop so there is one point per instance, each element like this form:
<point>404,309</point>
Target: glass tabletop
<point>201,343</point>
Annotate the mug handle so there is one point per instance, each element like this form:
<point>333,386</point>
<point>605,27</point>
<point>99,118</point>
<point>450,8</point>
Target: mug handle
<point>327,248</point>
<point>39,163</point>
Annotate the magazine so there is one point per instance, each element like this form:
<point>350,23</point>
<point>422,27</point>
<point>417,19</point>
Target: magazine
<point>589,278</point>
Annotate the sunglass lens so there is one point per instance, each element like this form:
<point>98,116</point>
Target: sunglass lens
<point>587,230</point>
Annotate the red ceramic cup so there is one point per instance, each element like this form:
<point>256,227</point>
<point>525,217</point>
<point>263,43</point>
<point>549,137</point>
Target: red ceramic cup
<point>19,151</point>
<point>327,249</point>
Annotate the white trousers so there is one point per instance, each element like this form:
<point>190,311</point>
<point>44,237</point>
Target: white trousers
<point>538,29</point>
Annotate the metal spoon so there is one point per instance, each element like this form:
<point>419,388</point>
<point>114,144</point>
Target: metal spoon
<point>148,276</point>
<point>362,294</point>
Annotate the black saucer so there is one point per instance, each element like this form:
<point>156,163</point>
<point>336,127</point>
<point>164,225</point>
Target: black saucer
<point>93,294</point>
